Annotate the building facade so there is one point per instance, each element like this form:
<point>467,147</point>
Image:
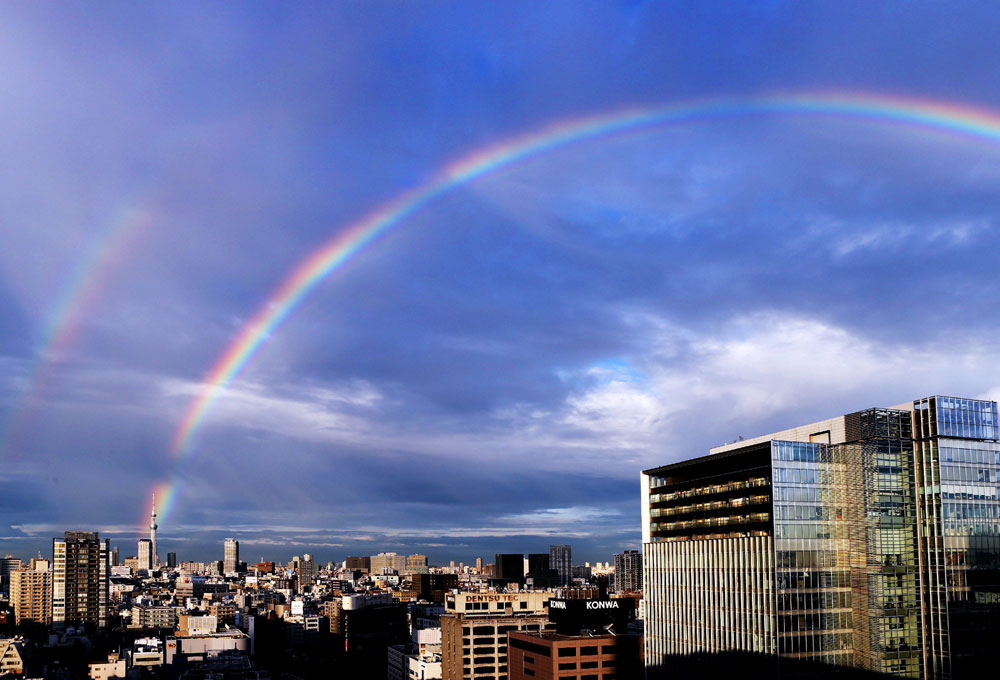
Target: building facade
<point>358,563</point>
<point>387,563</point>
<point>475,627</point>
<point>628,572</point>
<point>854,541</point>
<point>416,564</point>
<point>231,556</point>
<point>551,656</point>
<point>561,559</point>
<point>80,575</point>
<point>145,555</point>
<point>31,595</point>
<point>509,567</point>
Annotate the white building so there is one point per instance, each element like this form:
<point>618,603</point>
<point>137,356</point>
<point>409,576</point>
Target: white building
<point>403,664</point>
<point>114,667</point>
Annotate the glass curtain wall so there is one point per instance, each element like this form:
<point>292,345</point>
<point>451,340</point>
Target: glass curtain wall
<point>845,528</point>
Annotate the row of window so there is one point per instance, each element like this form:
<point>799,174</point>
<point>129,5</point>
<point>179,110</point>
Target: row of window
<point>706,490</point>
<point>977,453</point>
<point>713,505</point>
<point>960,473</point>
<point>711,522</point>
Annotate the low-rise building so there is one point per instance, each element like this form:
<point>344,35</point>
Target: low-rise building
<point>546,656</point>
<point>154,617</point>
<point>146,652</point>
<point>114,667</point>
<point>12,656</point>
<point>405,664</point>
<point>195,649</point>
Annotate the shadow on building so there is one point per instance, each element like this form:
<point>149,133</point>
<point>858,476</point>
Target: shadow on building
<point>747,666</point>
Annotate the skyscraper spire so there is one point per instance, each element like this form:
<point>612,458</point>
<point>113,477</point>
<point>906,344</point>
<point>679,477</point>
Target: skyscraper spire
<point>152,534</point>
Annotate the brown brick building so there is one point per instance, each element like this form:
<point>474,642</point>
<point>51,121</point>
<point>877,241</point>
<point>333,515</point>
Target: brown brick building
<point>547,656</point>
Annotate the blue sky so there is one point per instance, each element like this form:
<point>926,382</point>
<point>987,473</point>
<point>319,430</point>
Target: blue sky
<point>492,373</point>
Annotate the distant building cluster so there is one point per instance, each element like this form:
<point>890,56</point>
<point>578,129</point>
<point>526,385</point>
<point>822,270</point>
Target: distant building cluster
<point>385,615</point>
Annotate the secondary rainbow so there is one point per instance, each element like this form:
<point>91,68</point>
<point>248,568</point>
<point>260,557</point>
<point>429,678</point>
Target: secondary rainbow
<point>944,117</point>
<point>80,295</point>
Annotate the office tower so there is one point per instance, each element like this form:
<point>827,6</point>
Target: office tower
<point>231,557</point>
<point>387,562</point>
<point>475,626</point>
<point>358,563</point>
<point>31,593</point>
<point>80,579</point>
<point>509,567</point>
<point>171,560</point>
<point>539,575</point>
<point>145,555</point>
<point>479,563</point>
<point>154,562</point>
<point>306,570</point>
<point>115,560</point>
<point>370,624</point>
<point>538,562</point>
<point>869,540</point>
<point>628,572</point>
<point>432,587</point>
<point>561,559</point>
<point>8,564</point>
<point>416,564</point>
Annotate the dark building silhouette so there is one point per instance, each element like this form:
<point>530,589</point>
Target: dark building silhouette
<point>509,567</point>
<point>432,587</point>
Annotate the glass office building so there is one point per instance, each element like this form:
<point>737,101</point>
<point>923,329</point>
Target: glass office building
<point>861,541</point>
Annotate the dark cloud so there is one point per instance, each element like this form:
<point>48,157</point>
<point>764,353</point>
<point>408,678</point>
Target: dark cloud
<point>493,372</point>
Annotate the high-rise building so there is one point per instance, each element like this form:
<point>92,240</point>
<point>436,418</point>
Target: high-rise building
<point>171,560</point>
<point>80,579</point>
<point>8,564</point>
<point>479,563</point>
<point>561,559</point>
<point>628,572</point>
<point>432,587</point>
<point>154,561</point>
<point>306,570</point>
<point>145,555</point>
<point>869,540</point>
<point>475,626</point>
<point>539,575</point>
<point>358,563</point>
<point>231,557</point>
<point>416,564</point>
<point>509,567</point>
<point>387,562</point>
<point>31,594</point>
<point>115,560</point>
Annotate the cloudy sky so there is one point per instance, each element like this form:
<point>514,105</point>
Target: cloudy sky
<point>493,371</point>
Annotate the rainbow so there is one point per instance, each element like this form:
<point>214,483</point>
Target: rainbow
<point>937,116</point>
<point>79,296</point>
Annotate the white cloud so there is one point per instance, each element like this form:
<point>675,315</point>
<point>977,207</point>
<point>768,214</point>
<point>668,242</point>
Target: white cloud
<point>677,391</point>
<point>327,413</point>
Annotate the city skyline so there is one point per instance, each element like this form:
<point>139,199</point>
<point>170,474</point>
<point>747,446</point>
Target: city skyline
<point>444,278</point>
